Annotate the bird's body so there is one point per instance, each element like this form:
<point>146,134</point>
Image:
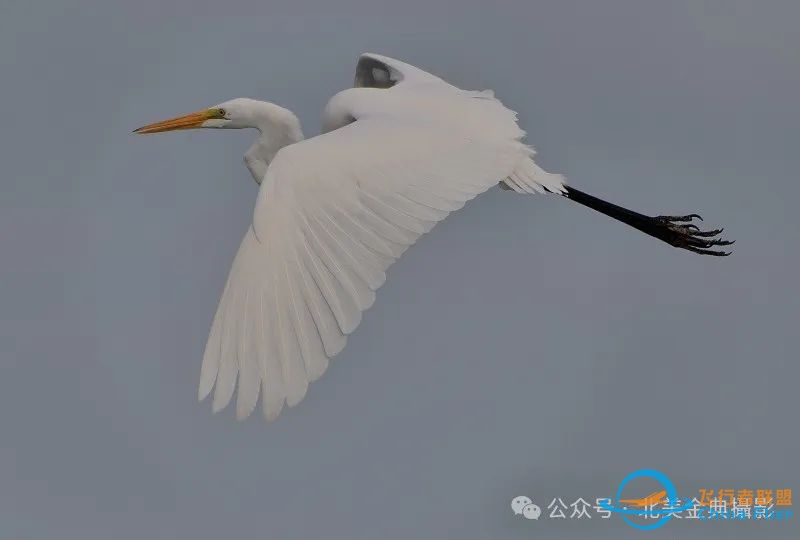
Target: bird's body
<point>398,153</point>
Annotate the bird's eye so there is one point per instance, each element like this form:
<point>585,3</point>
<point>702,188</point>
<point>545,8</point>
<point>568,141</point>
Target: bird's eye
<point>221,112</point>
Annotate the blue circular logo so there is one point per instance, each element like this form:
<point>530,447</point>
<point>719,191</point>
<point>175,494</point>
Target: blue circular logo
<point>666,514</point>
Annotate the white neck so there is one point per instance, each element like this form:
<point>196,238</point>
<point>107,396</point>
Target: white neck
<point>278,127</point>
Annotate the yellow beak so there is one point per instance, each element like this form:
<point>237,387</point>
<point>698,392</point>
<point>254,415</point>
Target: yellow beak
<point>187,121</point>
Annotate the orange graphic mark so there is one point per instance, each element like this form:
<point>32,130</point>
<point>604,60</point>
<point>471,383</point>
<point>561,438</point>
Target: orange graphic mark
<point>657,497</point>
<point>706,495</point>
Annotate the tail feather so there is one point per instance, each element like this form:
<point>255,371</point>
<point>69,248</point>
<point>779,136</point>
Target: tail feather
<point>529,178</point>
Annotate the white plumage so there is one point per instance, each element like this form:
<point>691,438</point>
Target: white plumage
<point>335,211</point>
<point>399,152</point>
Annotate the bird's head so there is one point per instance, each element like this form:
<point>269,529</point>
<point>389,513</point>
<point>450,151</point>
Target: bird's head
<point>234,114</point>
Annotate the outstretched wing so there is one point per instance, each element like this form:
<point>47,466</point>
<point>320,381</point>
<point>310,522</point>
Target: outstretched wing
<point>333,213</point>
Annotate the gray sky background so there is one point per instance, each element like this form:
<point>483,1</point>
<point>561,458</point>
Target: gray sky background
<point>527,346</point>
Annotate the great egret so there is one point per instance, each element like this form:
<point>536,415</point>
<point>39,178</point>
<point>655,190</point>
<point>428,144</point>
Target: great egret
<point>398,153</point>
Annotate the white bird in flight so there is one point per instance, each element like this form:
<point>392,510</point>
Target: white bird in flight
<point>398,153</point>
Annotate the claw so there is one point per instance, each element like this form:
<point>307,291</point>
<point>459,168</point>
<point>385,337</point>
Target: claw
<point>721,242</point>
<point>681,218</point>
<point>688,229</point>
<point>692,241</point>
<point>709,251</point>
<point>682,234</point>
<point>714,232</point>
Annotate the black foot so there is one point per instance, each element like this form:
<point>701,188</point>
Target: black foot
<point>680,232</point>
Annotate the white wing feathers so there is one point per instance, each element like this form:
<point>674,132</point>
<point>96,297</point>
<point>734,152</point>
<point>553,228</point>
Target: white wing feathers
<point>333,213</point>
<point>529,178</point>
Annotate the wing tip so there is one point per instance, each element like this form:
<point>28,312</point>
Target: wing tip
<point>203,390</point>
<point>270,415</point>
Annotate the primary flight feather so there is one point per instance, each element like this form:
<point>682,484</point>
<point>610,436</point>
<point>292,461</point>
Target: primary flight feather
<point>398,153</point>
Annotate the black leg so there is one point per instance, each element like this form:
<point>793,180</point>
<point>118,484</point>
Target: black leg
<point>678,231</point>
